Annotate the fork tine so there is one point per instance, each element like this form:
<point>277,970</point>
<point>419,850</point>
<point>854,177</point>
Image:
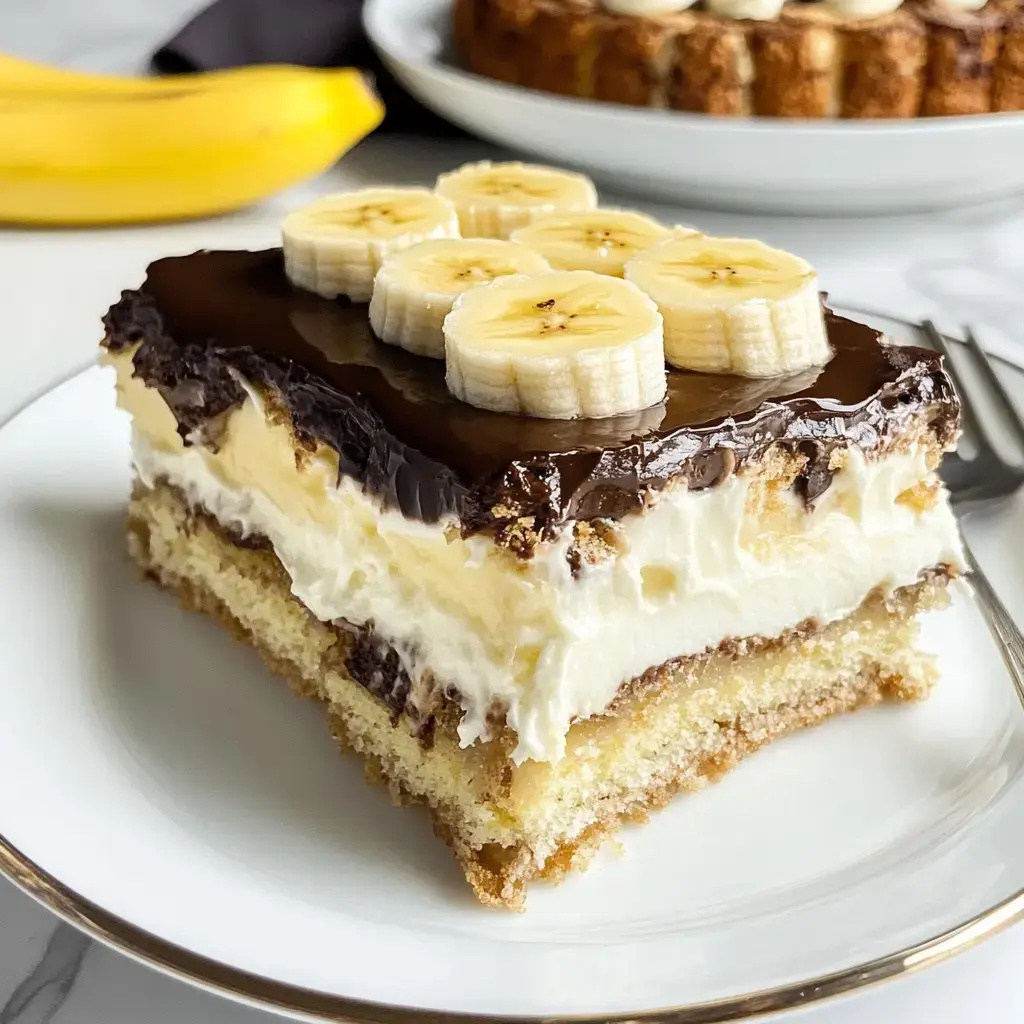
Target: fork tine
<point>975,430</point>
<point>990,375</point>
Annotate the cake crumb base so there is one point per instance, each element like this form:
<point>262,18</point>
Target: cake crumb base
<point>500,876</point>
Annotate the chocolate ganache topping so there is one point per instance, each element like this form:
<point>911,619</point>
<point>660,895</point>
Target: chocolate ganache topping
<point>203,321</point>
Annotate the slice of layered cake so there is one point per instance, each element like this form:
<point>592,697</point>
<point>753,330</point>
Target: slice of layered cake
<point>540,580</point>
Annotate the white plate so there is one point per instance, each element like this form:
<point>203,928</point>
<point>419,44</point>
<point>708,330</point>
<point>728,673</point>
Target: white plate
<point>836,167</point>
<point>160,789</point>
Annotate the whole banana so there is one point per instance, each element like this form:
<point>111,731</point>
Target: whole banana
<point>80,149</point>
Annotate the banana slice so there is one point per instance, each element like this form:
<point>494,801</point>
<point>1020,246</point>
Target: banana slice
<point>599,240</point>
<point>335,245</point>
<point>414,289</point>
<point>734,305</point>
<point>495,199</point>
<point>558,345</point>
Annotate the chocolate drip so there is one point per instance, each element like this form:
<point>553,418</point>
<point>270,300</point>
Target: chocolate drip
<point>207,320</point>
<point>376,665</point>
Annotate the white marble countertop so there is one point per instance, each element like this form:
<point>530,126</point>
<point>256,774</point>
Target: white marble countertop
<point>962,266</point>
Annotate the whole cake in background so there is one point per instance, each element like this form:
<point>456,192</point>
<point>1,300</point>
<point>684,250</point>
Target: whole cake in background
<point>555,522</point>
<point>816,59</point>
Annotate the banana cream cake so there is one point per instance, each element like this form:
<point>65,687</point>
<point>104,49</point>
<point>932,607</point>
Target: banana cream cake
<point>554,525</point>
<point>800,59</point>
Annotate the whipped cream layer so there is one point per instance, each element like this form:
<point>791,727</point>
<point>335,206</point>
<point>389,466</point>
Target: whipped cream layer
<point>699,568</point>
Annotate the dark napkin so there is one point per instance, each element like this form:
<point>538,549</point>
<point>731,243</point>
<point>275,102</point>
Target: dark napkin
<point>315,33</point>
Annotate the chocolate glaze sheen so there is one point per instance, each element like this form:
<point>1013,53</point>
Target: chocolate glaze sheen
<point>204,319</point>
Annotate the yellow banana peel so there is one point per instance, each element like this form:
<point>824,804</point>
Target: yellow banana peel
<point>78,148</point>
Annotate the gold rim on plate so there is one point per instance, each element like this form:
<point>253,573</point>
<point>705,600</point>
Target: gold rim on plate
<point>258,991</point>
<point>251,988</point>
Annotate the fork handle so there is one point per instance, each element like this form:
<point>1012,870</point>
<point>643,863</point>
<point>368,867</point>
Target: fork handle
<point>1000,623</point>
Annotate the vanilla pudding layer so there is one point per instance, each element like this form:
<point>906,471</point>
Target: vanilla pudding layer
<point>550,640</point>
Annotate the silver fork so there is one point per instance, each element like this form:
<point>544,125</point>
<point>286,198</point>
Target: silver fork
<point>983,481</point>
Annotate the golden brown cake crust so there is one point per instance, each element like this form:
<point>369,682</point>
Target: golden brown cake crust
<point>1009,77</point>
<point>498,34</point>
<point>883,65</point>
<point>565,35</point>
<point>711,69</point>
<point>796,65</point>
<point>633,58</point>
<point>962,51</point>
<point>922,60</point>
